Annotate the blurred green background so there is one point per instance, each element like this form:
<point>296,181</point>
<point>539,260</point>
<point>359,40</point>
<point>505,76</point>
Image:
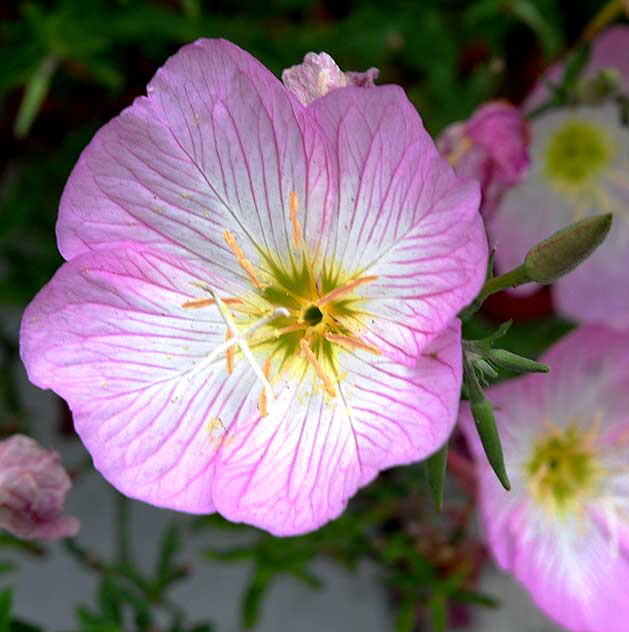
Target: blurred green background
<point>68,66</point>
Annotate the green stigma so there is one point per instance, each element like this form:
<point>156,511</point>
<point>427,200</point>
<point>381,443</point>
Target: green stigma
<point>576,153</point>
<point>563,469</point>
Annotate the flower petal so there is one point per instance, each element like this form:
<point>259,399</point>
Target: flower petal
<point>401,214</point>
<point>110,336</point>
<point>218,144</point>
<point>295,469</point>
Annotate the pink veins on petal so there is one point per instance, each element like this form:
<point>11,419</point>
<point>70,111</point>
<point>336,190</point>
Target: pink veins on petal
<point>256,313</point>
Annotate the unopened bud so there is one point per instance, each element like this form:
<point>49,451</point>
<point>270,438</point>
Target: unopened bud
<point>604,85</point>
<point>566,249</point>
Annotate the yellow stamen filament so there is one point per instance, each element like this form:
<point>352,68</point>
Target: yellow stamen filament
<point>229,354</point>
<point>262,403</point>
<point>195,303</point>
<point>297,232</point>
<point>339,292</point>
<point>351,343</point>
<point>243,262</point>
<point>321,374</point>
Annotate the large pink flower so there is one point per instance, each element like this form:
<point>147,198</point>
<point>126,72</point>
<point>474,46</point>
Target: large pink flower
<point>33,487</point>
<point>579,167</point>
<point>339,247</point>
<point>563,529</point>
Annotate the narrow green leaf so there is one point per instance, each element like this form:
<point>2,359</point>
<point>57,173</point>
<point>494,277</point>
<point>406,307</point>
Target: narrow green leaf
<point>169,548</point>
<point>253,600</point>
<point>528,13</point>
<point>6,599</point>
<point>406,617</point>
<point>438,612</point>
<point>34,95</point>
<point>436,473</point>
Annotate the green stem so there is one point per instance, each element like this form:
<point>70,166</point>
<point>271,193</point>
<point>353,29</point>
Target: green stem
<point>513,278</point>
<point>122,531</point>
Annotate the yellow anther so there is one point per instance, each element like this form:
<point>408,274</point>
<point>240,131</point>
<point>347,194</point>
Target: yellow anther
<point>321,374</point>
<point>297,232</point>
<point>195,303</point>
<point>244,263</point>
<point>339,292</point>
<point>262,402</point>
<point>229,354</point>
<point>351,343</point>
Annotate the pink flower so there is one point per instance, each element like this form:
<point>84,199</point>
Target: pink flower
<point>492,147</point>
<point>339,246</point>
<point>563,529</point>
<point>319,74</point>
<point>580,167</point>
<point>33,487</point>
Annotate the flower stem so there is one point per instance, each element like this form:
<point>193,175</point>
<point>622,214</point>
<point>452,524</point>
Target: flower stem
<point>513,278</point>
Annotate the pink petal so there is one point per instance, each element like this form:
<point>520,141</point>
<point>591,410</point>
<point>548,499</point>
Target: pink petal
<point>295,469</point>
<point>217,144</point>
<point>401,214</point>
<point>110,336</point>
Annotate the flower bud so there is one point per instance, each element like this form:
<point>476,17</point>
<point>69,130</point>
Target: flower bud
<point>33,486</point>
<point>566,249</point>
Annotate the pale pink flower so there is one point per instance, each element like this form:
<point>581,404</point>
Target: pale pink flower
<point>563,529</point>
<point>579,167</point>
<point>319,73</point>
<point>33,487</point>
<point>340,246</point>
<point>491,147</point>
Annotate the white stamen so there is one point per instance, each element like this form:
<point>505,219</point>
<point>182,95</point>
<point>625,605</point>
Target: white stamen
<point>241,339</point>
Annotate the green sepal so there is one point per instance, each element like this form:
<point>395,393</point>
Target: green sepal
<point>514,362</point>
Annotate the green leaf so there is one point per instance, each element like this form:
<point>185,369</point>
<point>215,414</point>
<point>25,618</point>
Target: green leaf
<point>169,548</point>
<point>438,612</point>
<point>6,598</point>
<point>253,599</point>
<point>548,35</point>
<point>406,617</point>
<point>36,90</point>
<point>436,473</point>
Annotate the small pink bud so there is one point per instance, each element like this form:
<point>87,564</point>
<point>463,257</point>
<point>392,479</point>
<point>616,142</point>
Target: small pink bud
<point>33,486</point>
<point>492,147</point>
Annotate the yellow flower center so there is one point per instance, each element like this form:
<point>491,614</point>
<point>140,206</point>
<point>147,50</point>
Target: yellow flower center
<point>296,317</point>
<point>563,469</point>
<point>576,153</point>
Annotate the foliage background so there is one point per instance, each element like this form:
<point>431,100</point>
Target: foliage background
<point>68,66</point>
